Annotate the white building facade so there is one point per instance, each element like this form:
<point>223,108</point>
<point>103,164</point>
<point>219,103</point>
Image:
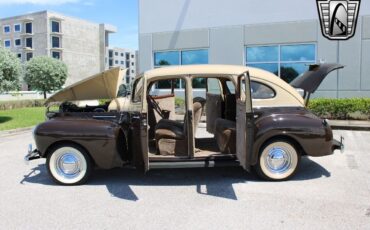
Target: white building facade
<point>283,37</point>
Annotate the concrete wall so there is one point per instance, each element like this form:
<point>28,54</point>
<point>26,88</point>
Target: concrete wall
<point>174,15</point>
<point>187,25</point>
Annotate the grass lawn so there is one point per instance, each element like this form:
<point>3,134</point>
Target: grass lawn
<point>21,118</point>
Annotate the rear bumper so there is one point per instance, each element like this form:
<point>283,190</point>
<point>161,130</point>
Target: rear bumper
<point>338,145</point>
<point>32,154</point>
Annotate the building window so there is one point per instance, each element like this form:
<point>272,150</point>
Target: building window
<point>17,42</point>
<point>29,56</point>
<point>286,61</point>
<point>132,71</point>
<point>55,42</point>
<point>122,62</point>
<point>132,63</point>
<point>17,28</point>
<point>185,57</point>
<point>116,62</point>
<point>6,29</point>
<point>127,56</point>
<point>127,64</point>
<point>110,62</point>
<point>55,54</point>
<point>122,54</point>
<point>7,43</point>
<point>29,28</point>
<point>132,56</point>
<point>116,53</point>
<point>29,43</point>
<point>19,55</point>
<point>55,26</point>
<point>110,53</point>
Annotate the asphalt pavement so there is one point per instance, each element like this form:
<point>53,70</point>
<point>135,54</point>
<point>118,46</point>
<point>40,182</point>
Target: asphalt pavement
<point>331,192</point>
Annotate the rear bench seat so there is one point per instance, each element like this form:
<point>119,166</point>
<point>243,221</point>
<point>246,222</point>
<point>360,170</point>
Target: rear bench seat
<point>226,135</point>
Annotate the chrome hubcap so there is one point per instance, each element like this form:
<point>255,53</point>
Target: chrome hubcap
<point>278,160</point>
<point>68,165</point>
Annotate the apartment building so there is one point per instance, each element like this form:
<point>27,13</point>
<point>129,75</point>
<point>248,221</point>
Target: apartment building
<point>81,44</point>
<point>273,35</point>
<point>124,58</point>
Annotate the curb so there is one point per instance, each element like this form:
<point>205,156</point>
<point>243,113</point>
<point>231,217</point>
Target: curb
<point>15,131</point>
<point>350,125</point>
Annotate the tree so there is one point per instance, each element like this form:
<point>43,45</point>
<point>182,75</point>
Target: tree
<point>45,74</point>
<point>10,70</point>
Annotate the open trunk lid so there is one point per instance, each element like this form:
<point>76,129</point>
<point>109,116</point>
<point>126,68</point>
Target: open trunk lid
<point>311,80</point>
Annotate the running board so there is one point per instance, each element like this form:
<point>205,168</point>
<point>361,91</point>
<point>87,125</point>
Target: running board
<point>192,164</point>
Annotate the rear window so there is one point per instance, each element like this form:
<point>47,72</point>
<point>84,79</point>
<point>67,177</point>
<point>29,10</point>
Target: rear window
<point>261,91</point>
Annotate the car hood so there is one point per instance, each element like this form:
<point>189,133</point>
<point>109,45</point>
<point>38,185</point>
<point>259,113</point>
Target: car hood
<point>104,85</point>
<point>311,80</point>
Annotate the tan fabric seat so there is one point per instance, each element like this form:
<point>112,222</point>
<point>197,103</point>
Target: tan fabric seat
<point>171,135</point>
<point>226,135</point>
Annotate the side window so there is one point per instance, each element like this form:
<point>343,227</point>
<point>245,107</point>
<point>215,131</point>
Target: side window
<point>261,91</point>
<point>213,86</point>
<point>230,86</point>
<point>138,91</point>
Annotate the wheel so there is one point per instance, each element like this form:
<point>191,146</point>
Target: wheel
<point>278,160</point>
<point>69,164</point>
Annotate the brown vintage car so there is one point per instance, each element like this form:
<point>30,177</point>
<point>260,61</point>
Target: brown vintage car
<point>247,117</point>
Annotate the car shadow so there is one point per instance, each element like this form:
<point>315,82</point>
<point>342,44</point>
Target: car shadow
<point>216,182</point>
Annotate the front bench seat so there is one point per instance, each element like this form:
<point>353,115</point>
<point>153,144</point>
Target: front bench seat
<point>226,135</point>
<point>171,135</point>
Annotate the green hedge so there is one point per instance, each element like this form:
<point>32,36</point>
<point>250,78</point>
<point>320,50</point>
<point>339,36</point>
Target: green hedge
<point>341,109</point>
<point>6,105</point>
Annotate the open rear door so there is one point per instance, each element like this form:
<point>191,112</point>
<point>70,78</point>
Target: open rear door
<point>244,121</point>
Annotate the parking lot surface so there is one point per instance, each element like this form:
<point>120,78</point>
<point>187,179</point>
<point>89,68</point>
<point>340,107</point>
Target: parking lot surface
<point>331,192</point>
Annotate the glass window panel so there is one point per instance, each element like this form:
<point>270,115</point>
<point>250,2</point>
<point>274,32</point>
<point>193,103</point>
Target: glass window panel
<point>214,86</point>
<point>262,54</point>
<point>29,28</point>
<point>298,52</point>
<point>17,42</point>
<point>55,42</point>
<point>199,83</point>
<point>17,27</point>
<point>261,91</point>
<point>166,84</point>
<point>166,58</point>
<point>55,54</point>
<point>194,57</point>
<point>55,27</point>
<point>271,67</point>
<point>7,43</point>
<point>289,71</point>
<point>230,85</point>
<point>138,90</point>
<point>29,42</point>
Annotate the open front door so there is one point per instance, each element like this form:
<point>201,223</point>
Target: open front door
<point>139,125</point>
<point>244,121</point>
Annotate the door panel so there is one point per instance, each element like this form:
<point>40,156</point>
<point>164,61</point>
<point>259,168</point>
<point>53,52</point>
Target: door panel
<point>241,144</point>
<point>245,122</point>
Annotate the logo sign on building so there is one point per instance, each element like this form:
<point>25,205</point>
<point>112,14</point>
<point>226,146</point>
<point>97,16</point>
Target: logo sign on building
<point>338,18</point>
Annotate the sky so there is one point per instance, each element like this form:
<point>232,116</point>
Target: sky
<point>121,13</point>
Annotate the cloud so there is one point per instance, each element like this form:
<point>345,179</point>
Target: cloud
<point>37,2</point>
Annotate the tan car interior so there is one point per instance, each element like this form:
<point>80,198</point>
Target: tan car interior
<point>168,128</point>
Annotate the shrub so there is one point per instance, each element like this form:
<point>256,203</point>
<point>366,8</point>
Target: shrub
<point>341,109</point>
<point>6,105</point>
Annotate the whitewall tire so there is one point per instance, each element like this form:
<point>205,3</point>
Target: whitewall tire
<point>68,164</point>
<point>278,160</point>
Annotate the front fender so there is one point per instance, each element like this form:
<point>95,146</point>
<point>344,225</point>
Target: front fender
<point>98,137</point>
